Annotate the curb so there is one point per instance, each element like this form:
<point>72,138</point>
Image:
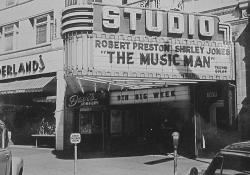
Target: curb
<point>203,160</point>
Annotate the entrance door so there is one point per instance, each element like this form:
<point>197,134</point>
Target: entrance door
<point>217,115</point>
<point>91,128</point>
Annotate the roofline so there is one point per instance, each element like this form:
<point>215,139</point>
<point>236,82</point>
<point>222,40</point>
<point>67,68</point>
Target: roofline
<point>156,9</point>
<point>221,8</point>
<point>226,7</point>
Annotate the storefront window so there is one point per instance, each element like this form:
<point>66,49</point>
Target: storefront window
<point>90,122</point>
<point>116,122</point>
<point>47,126</point>
<point>29,120</point>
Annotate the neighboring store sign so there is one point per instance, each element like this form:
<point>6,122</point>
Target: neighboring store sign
<point>129,20</point>
<point>150,95</point>
<point>170,58</point>
<point>87,99</point>
<point>31,65</point>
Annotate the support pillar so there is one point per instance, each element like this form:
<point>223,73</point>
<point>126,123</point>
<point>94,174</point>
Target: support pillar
<point>59,113</point>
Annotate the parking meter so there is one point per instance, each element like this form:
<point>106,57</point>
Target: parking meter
<point>175,136</point>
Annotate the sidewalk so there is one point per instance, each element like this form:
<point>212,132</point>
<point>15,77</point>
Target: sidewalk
<point>41,161</point>
<point>206,156</point>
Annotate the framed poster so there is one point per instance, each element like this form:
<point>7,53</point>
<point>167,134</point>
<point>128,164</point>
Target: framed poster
<point>116,122</point>
<point>85,123</point>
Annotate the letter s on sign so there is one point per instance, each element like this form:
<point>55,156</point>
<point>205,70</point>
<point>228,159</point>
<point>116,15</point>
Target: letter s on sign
<point>111,17</point>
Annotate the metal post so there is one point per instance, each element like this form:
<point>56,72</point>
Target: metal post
<point>175,162</point>
<point>175,136</point>
<point>75,159</point>
<point>195,136</point>
<point>103,133</point>
<point>36,142</point>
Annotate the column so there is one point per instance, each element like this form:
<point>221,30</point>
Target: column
<point>59,113</point>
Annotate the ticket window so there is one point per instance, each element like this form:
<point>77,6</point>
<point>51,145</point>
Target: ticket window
<point>90,122</point>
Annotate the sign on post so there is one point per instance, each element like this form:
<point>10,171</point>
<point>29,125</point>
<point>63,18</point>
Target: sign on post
<point>75,138</point>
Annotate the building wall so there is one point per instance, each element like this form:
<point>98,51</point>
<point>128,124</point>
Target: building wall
<point>237,16</point>
<point>240,67</point>
<point>23,15</point>
<point>26,35</point>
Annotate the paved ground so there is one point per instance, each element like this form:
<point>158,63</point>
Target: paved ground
<point>43,161</point>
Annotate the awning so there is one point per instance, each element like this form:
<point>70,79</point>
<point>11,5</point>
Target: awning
<point>48,99</point>
<point>81,83</point>
<point>25,86</point>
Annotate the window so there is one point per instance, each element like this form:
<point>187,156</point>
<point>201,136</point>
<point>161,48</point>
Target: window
<point>124,2</point>
<point>44,29</point>
<point>7,3</point>
<point>229,164</point>
<point>90,122</point>
<point>10,2</point>
<point>9,36</point>
<point>70,2</point>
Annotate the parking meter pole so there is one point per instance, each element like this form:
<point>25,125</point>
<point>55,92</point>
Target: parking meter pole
<point>175,162</point>
<point>175,136</point>
<point>75,158</point>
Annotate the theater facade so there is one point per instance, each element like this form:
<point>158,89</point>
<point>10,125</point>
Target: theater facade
<point>136,75</point>
<point>123,77</point>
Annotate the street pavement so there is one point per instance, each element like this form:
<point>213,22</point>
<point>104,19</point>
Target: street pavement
<point>43,161</point>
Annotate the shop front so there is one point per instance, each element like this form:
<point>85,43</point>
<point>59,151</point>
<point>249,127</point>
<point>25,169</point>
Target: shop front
<point>151,66</point>
<point>145,119</point>
<point>28,97</point>
<point>89,118</point>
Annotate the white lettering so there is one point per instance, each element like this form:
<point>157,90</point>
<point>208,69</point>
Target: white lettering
<point>155,21</point>
<point>191,25</point>
<point>133,13</point>
<point>206,26</point>
<point>175,23</point>
<point>158,23</point>
<point>111,17</point>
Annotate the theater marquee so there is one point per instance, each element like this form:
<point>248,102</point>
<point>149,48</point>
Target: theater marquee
<point>136,42</point>
<point>155,95</point>
<point>165,57</point>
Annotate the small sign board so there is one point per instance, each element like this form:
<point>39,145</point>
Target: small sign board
<point>212,94</point>
<point>75,138</point>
